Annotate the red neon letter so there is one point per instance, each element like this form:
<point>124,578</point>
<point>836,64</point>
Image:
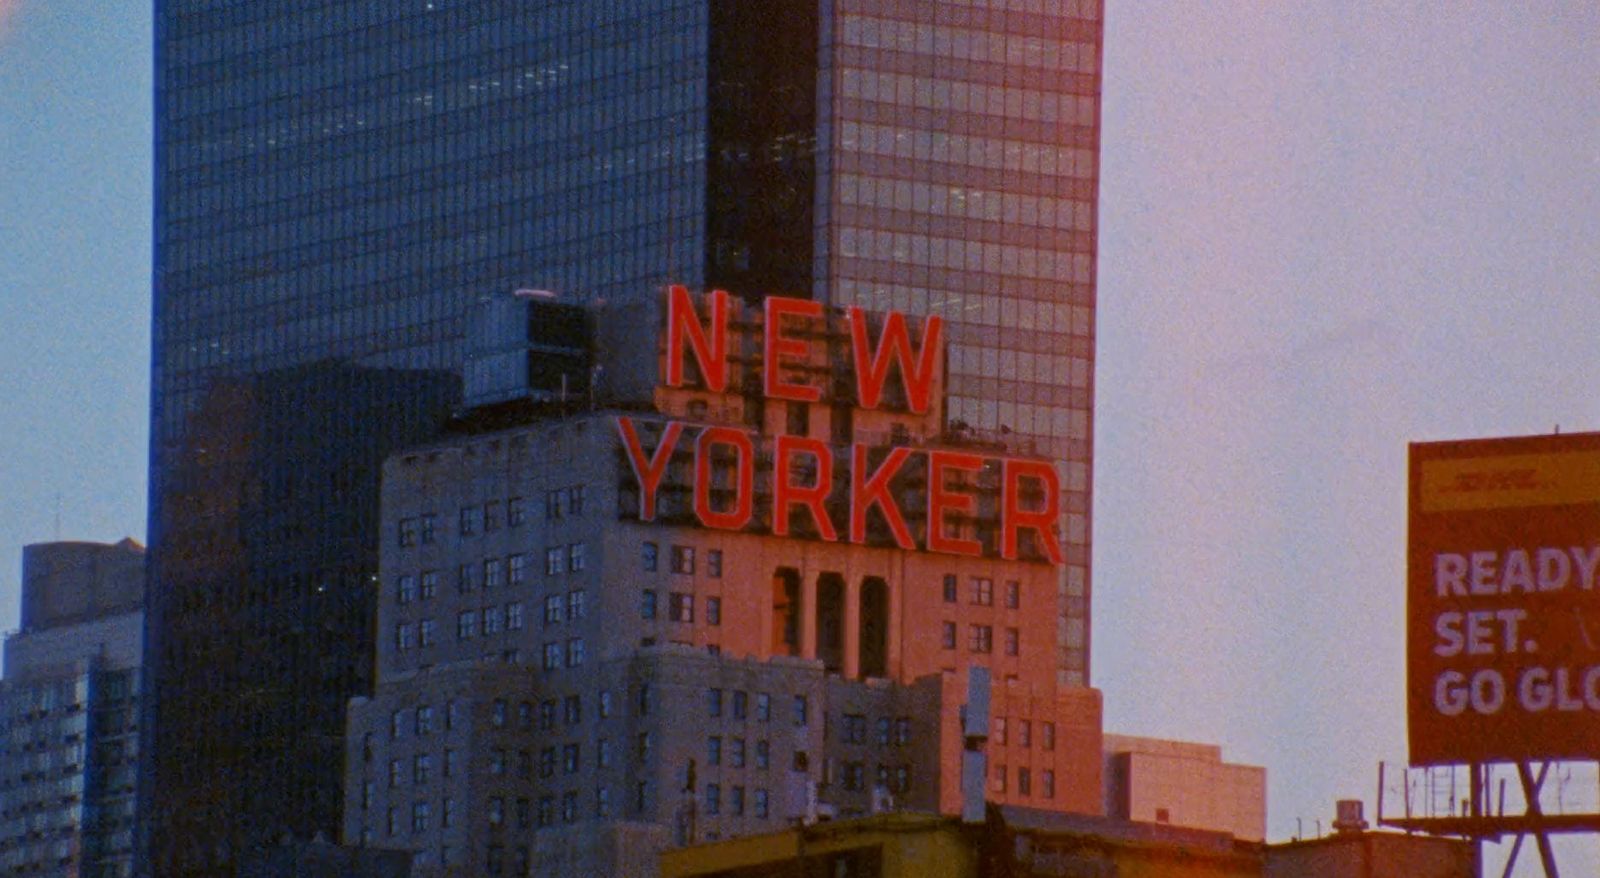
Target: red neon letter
<point>739,516</point>
<point>872,367</point>
<point>785,493</point>
<point>867,492</point>
<point>1013,517</point>
<point>777,347</point>
<point>712,356</point>
<point>941,501</point>
<point>648,473</point>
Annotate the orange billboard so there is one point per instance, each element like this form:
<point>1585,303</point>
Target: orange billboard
<point>1503,599</point>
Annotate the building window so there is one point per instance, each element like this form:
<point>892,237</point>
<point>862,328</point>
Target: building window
<point>402,636</point>
<point>518,565</point>
<point>575,557</point>
<point>552,505</point>
<point>516,512</point>
<point>452,714</point>
<point>644,699</point>
<point>763,707</point>
<point>1013,641</point>
<point>569,807</point>
<point>405,589</point>
<point>469,521</point>
<point>1047,735</point>
<point>547,715</point>
<point>602,753</point>
<point>514,616</point>
<point>552,656</point>
<point>855,728</point>
<point>575,605</point>
<point>605,704</point>
<point>524,714</point>
<point>999,778</point>
<point>950,588</point>
<point>406,532</point>
<point>714,563</point>
<point>713,798</point>
<point>854,775</point>
<point>999,730</point>
<point>947,636</point>
<point>714,750</point>
<point>736,750</point>
<point>602,802</point>
<point>881,731</point>
<point>683,559</point>
<point>575,500</point>
<point>741,704</point>
<point>421,767</point>
<point>429,525</point>
<point>1024,782</point>
<point>802,762</point>
<point>419,817</point>
<point>575,652</point>
<point>713,611</point>
<point>980,638</point>
<point>491,516</point>
<point>430,585</point>
<point>553,609</point>
<point>569,759</point>
<point>465,577</point>
<point>983,591</point>
<point>393,820</point>
<point>761,804</point>
<point>800,717</point>
<point>466,625</point>
<point>763,754</point>
<point>736,800</point>
<point>554,558</point>
<point>714,702</point>
<point>547,808</point>
<point>572,709</point>
<point>497,713</point>
<point>681,607</point>
<point>649,555</point>
<point>524,820</point>
<point>394,773</point>
<point>491,573</point>
<point>1013,594</point>
<point>1047,783</point>
<point>902,779</point>
<point>424,723</point>
<point>547,762</point>
<point>647,604</point>
<point>491,620</point>
<point>497,810</point>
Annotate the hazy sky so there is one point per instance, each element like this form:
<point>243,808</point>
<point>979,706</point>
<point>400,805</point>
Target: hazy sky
<point>1327,230</point>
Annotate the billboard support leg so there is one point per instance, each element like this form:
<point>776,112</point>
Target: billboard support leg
<point>1530,792</point>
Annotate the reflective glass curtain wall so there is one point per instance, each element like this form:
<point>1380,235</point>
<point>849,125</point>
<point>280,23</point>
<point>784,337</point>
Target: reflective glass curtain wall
<point>335,182</point>
<point>959,177</point>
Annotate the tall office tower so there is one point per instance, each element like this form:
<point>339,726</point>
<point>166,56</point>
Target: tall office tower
<point>69,712</point>
<point>336,182</point>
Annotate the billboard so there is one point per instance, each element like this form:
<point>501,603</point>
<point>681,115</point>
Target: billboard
<point>1502,612</point>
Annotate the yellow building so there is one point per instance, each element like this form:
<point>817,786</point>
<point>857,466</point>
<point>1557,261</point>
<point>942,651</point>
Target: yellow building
<point>1014,842</point>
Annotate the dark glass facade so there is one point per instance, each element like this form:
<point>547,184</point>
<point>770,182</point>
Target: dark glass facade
<point>338,180</point>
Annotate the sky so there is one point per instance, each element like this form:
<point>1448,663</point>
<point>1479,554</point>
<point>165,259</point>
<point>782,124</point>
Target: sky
<point>1326,231</point>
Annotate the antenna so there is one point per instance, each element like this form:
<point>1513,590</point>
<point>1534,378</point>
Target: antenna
<point>58,516</point>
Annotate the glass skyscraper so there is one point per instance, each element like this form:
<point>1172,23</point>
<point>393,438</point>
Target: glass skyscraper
<point>338,180</point>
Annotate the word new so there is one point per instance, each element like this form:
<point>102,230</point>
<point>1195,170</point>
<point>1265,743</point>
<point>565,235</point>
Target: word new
<point>869,489</point>
<point>709,345</point>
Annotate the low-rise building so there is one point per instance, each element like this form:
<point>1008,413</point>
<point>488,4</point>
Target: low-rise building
<point>1180,783</point>
<point>69,712</point>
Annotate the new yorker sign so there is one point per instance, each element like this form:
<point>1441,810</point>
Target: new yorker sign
<point>950,484</point>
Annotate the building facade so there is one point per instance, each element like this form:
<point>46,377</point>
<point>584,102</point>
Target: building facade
<point>335,185</point>
<point>1178,783</point>
<point>69,730</point>
<point>569,646</point>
